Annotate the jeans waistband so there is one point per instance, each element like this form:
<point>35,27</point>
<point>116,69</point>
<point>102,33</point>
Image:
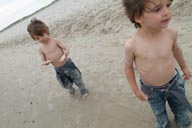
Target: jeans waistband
<point>68,60</point>
<point>163,86</point>
<point>166,88</point>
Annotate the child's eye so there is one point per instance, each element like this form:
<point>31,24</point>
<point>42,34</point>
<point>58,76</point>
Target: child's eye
<point>37,38</point>
<point>168,5</point>
<point>157,9</point>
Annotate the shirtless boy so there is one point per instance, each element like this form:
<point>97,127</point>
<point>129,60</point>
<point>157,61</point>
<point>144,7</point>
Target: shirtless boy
<point>55,52</point>
<point>154,49</point>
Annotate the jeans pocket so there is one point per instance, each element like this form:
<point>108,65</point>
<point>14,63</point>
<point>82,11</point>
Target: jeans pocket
<point>150,96</point>
<point>71,65</point>
<point>180,85</point>
<point>148,92</point>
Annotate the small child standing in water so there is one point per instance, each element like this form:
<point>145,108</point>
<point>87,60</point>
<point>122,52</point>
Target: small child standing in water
<point>55,52</point>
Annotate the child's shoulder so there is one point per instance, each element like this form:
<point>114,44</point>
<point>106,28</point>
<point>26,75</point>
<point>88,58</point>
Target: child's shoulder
<point>131,41</point>
<point>55,40</point>
<point>40,49</point>
<point>172,32</point>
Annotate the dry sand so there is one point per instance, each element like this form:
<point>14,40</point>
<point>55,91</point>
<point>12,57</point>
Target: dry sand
<point>95,30</point>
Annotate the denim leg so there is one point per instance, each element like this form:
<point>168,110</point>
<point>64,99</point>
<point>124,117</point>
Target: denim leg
<point>157,102</point>
<point>77,79</point>
<point>64,81</point>
<point>158,105</point>
<point>74,75</point>
<point>181,113</point>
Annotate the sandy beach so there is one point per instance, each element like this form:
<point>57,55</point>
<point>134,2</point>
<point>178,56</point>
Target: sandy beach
<point>95,31</point>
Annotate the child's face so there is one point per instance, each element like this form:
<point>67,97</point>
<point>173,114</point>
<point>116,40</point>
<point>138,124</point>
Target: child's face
<point>157,14</point>
<point>41,39</point>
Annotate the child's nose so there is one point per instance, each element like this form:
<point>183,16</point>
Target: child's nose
<point>166,11</point>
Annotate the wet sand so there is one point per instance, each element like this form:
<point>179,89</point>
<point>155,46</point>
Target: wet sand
<point>95,31</point>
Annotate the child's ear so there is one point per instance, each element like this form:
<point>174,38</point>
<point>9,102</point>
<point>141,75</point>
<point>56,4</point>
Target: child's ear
<point>139,19</point>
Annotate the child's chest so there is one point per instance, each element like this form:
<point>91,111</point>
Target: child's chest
<point>51,49</point>
<point>161,49</point>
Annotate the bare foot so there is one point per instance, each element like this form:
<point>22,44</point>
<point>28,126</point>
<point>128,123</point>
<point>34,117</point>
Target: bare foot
<point>84,96</point>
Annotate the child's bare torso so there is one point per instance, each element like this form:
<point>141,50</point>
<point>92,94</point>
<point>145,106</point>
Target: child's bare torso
<point>154,59</point>
<point>53,53</point>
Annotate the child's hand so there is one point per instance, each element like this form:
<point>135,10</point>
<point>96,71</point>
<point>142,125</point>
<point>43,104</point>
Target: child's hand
<point>141,95</point>
<point>47,62</point>
<point>63,58</point>
<point>186,74</point>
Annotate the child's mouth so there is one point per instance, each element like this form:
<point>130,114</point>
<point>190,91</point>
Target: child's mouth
<point>166,21</point>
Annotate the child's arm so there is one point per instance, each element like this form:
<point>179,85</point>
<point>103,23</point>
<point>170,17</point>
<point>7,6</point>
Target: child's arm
<point>43,57</point>
<point>129,71</point>
<point>178,54</point>
<point>65,49</point>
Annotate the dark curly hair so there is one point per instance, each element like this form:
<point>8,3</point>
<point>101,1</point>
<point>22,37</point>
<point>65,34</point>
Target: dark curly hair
<point>135,8</point>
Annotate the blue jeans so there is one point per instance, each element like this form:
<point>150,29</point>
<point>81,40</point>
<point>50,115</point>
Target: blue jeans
<point>69,74</point>
<point>157,97</point>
